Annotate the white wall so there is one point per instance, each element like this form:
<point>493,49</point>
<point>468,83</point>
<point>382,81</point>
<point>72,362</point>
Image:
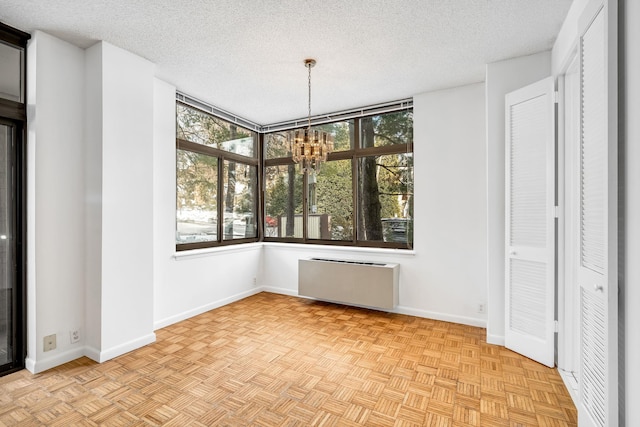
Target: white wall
<point>55,211</point>
<point>127,201</point>
<point>192,284</point>
<point>90,205</point>
<point>93,199</point>
<point>501,78</point>
<point>445,276</point>
<point>630,133</point>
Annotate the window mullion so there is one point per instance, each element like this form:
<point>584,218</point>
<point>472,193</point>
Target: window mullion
<point>354,180</point>
<point>220,201</point>
<point>305,206</point>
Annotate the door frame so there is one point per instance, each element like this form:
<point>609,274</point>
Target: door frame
<point>15,113</point>
<point>568,345</point>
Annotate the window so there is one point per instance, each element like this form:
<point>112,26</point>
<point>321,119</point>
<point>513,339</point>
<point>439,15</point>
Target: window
<point>216,181</point>
<point>363,194</point>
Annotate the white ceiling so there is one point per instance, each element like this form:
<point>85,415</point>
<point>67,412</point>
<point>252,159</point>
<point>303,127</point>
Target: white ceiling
<point>246,56</point>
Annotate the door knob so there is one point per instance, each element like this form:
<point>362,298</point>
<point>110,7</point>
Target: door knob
<point>598,288</point>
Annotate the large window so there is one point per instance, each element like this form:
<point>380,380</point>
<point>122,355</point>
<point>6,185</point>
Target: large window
<point>216,181</point>
<point>363,194</point>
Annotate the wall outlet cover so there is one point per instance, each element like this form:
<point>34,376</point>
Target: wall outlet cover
<point>49,342</point>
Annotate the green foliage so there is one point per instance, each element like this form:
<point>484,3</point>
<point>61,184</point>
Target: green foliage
<point>335,195</point>
<point>195,126</point>
<point>277,194</point>
<point>197,178</point>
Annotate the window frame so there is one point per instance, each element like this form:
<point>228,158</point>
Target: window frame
<point>354,154</point>
<point>222,156</point>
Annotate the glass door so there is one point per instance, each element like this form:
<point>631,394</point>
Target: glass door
<point>10,292</point>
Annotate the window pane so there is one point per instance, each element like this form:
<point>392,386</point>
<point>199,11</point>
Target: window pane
<point>385,195</point>
<point>331,202</point>
<point>11,63</point>
<point>202,128</point>
<point>276,145</point>
<point>387,129</point>
<point>239,200</point>
<point>197,187</point>
<point>342,133</point>
<point>283,202</point>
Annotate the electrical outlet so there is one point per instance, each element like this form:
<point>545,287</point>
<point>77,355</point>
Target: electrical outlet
<point>75,336</point>
<point>481,308</point>
<point>50,342</point>
<point>254,281</point>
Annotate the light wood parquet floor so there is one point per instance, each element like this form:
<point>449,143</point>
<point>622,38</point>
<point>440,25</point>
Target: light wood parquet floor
<point>274,360</point>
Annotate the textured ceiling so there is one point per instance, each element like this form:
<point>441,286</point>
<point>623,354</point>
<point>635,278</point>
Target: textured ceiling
<point>246,56</point>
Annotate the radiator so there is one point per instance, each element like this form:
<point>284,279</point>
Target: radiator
<point>362,283</point>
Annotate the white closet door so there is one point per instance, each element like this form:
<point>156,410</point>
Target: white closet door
<point>597,233</point>
<point>530,232</point>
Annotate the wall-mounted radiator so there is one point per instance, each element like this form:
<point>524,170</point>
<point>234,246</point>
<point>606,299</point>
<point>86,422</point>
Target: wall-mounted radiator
<point>363,283</point>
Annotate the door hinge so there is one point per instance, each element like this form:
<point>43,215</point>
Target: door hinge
<point>556,97</point>
<point>556,210</point>
<point>556,327</point>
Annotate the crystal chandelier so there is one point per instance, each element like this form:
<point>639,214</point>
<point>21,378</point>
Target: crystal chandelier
<point>309,147</point>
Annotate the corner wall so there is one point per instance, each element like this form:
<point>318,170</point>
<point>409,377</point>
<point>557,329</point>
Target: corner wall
<point>55,200</point>
<point>501,78</point>
<point>193,283</point>
<point>445,276</point>
<point>89,206</point>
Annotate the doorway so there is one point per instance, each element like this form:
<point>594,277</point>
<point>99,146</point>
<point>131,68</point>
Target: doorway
<point>13,119</point>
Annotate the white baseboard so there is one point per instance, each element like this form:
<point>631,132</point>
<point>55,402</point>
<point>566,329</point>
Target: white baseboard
<point>204,308</point>
<point>92,353</point>
<point>463,320</point>
<point>281,291</point>
<point>481,323</point>
<point>495,339</point>
<point>571,384</point>
<point>118,350</point>
<point>37,366</point>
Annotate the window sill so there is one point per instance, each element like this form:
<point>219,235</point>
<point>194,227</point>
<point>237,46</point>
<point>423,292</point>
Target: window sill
<point>336,248</point>
<point>199,253</point>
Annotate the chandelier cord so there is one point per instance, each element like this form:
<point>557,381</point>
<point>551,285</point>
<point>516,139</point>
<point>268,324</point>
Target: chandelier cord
<point>309,82</point>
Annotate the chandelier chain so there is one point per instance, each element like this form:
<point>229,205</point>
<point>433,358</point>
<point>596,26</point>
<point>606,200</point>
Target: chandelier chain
<point>309,82</point>
<point>309,149</point>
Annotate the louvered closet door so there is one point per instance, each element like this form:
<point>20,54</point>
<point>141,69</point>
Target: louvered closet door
<point>597,267</point>
<point>530,233</point>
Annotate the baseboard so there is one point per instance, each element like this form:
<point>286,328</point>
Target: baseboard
<point>481,323</point>
<point>463,320</point>
<point>110,353</point>
<point>571,384</point>
<point>281,291</point>
<point>37,366</point>
<point>495,339</point>
<point>204,308</point>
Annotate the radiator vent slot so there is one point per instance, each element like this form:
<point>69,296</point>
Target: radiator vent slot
<point>361,283</point>
<point>345,261</point>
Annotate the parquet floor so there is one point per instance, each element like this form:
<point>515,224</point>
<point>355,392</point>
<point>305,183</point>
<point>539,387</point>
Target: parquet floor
<point>274,360</point>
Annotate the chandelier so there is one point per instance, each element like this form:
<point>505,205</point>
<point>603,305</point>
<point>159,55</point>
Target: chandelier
<point>309,147</point>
